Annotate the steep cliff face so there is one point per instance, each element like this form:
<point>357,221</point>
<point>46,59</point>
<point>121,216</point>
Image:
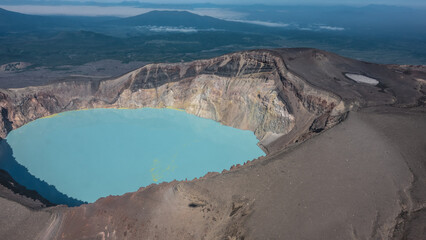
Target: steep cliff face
<point>249,90</point>
<point>272,93</point>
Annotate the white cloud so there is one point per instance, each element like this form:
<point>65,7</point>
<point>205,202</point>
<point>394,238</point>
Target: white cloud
<point>233,16</point>
<point>263,23</point>
<point>171,29</point>
<point>219,13</point>
<point>331,28</point>
<point>305,28</point>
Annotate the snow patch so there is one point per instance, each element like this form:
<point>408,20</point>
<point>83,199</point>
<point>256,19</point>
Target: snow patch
<point>362,79</point>
<point>331,28</point>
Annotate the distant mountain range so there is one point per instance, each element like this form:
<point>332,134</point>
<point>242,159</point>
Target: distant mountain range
<point>153,36</point>
<point>183,19</point>
<point>375,33</point>
<point>15,22</point>
<point>18,22</point>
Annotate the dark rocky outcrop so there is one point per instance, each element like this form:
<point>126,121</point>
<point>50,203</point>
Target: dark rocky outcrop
<point>8,182</point>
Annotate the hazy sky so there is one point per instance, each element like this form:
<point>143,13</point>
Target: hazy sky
<point>320,2</point>
<point>49,7</point>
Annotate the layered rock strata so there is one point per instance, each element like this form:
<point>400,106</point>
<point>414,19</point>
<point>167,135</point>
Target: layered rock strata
<point>249,90</point>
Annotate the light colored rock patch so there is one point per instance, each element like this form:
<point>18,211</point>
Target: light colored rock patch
<point>362,79</point>
<point>422,81</point>
<point>14,66</point>
<point>241,102</point>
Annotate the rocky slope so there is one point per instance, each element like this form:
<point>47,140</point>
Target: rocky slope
<point>245,90</point>
<point>352,182</point>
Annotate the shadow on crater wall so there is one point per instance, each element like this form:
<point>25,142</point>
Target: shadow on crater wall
<point>23,177</point>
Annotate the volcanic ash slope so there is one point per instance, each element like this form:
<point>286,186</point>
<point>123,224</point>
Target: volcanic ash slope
<point>362,179</point>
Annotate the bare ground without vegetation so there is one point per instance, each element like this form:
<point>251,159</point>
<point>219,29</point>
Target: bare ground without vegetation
<point>345,160</point>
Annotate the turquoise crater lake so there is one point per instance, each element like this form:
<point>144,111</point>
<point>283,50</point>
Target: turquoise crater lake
<point>95,153</point>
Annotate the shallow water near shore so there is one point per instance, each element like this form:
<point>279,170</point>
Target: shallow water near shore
<point>95,153</point>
